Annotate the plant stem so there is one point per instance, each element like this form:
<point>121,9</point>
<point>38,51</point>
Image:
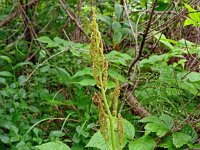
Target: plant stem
<point>109,113</point>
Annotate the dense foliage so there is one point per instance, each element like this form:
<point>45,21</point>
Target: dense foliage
<point>60,75</point>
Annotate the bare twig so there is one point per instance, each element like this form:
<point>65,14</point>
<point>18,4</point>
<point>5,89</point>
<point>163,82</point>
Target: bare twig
<point>15,14</point>
<point>73,18</point>
<point>143,39</point>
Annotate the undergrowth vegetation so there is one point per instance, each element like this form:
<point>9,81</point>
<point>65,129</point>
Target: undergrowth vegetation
<point>106,75</point>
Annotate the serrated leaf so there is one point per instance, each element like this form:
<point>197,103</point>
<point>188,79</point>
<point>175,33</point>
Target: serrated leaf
<point>86,71</point>
<point>53,146</point>
<point>169,122</point>
<point>167,143</point>
<point>6,74</point>
<point>159,129</point>
<point>189,130</point>
<point>143,143</point>
<point>180,139</point>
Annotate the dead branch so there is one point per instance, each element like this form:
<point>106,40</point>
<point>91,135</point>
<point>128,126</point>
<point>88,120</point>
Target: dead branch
<point>136,106</point>
<point>143,39</point>
<point>73,18</point>
<point>16,13</point>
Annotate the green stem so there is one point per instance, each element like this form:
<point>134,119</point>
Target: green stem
<point>109,113</point>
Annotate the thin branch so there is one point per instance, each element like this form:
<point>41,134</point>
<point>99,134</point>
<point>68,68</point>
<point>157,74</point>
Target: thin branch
<point>15,14</point>
<point>143,39</point>
<point>72,17</point>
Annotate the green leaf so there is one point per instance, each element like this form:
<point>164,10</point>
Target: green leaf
<point>193,77</point>
<point>169,122</point>
<point>118,10</point>
<point>45,68</point>
<point>59,40</point>
<point>117,37</point>
<point>6,74</point>
<point>57,134</point>
<point>143,143</point>
<point>152,119</point>
<point>2,80</point>
<point>116,26</point>
<point>189,130</point>
<point>193,14</point>
<point>118,58</point>
<point>87,82</point>
<point>22,64</point>
<point>167,143</point>
<point>98,141</point>
<point>86,71</point>
<point>180,139</point>
<point>22,80</point>
<point>14,129</point>
<point>114,74</point>
<point>163,40</point>
<point>129,130</point>
<point>105,19</point>
<point>159,129</point>
<point>45,39</point>
<point>48,41</point>
<point>53,146</point>
<point>195,146</point>
<point>5,139</point>
<point>6,58</point>
<point>188,22</point>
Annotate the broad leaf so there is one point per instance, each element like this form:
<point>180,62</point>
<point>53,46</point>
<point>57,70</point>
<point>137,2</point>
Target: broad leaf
<point>86,71</point>
<point>159,129</point>
<point>118,10</point>
<point>53,146</point>
<point>6,58</point>
<point>114,74</point>
<point>48,41</point>
<point>98,141</point>
<point>129,130</point>
<point>116,26</point>
<point>180,139</point>
<point>6,74</point>
<point>87,82</point>
<point>143,143</point>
